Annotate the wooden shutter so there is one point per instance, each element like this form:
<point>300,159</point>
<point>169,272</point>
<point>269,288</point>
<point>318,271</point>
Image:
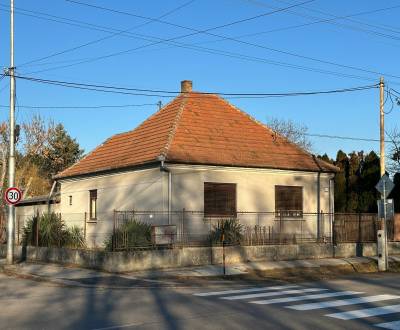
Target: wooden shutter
<point>219,199</point>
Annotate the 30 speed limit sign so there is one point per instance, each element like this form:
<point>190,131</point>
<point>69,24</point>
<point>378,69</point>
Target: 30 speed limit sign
<point>13,195</point>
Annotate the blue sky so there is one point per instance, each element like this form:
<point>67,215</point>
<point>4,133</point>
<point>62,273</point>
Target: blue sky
<point>370,42</point>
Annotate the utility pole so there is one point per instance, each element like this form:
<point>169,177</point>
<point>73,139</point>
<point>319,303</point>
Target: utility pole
<point>382,127</point>
<point>11,160</point>
<point>382,164</point>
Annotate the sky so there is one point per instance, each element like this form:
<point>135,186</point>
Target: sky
<point>366,40</point>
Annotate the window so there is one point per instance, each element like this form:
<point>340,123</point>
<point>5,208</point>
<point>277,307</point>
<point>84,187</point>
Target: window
<point>70,200</point>
<point>219,199</point>
<point>93,204</point>
<point>289,201</point>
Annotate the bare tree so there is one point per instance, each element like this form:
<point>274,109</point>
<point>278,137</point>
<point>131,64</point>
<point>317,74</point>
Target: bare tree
<point>294,132</point>
<point>394,151</point>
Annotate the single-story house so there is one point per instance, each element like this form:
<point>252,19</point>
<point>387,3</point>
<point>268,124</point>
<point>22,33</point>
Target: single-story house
<point>198,153</point>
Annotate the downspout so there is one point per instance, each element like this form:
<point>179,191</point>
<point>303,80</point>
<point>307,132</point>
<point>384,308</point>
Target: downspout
<point>50,194</point>
<point>164,168</point>
<point>318,198</point>
<point>331,207</point>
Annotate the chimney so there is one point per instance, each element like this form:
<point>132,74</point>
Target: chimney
<point>186,86</point>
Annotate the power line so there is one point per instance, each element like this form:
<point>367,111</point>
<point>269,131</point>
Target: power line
<point>212,51</point>
<point>83,107</point>
<point>157,92</point>
<point>107,37</point>
<point>335,17</point>
<point>207,32</point>
<point>339,137</point>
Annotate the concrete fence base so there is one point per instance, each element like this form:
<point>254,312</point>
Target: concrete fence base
<point>192,256</point>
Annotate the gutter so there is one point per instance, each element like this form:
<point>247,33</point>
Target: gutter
<point>164,168</point>
<point>50,194</point>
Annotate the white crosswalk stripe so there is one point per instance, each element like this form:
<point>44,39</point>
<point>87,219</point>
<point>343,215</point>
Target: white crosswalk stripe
<point>395,325</point>
<point>344,302</point>
<point>272,294</point>
<point>366,312</point>
<point>227,292</point>
<point>305,297</point>
<point>283,294</point>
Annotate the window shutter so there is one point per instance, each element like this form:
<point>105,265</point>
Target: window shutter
<point>219,199</point>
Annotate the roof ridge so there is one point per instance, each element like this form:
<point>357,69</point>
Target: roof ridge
<point>174,126</point>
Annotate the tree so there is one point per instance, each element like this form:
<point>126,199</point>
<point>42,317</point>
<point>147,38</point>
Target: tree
<point>296,133</point>
<point>43,150</point>
<point>355,183</point>
<point>394,151</point>
<point>61,151</point>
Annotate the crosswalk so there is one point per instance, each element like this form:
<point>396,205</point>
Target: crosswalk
<point>293,296</point>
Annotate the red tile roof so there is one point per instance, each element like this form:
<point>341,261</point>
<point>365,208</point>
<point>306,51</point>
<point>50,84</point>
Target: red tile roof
<point>198,128</point>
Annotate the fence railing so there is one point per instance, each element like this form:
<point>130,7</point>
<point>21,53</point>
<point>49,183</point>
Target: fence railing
<point>129,230</point>
<point>194,228</point>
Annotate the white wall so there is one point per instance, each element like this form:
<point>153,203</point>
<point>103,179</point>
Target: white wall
<point>134,190</point>
<point>255,190</point>
<point>147,190</point>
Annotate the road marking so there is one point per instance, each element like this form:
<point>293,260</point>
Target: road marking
<point>272,294</point>
<point>305,297</point>
<point>367,312</point>
<point>217,293</point>
<point>395,325</point>
<point>345,302</point>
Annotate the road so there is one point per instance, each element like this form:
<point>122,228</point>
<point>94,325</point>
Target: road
<point>358,302</point>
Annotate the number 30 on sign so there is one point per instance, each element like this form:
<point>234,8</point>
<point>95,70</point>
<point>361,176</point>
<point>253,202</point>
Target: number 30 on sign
<point>13,195</point>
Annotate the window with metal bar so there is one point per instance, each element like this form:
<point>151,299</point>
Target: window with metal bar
<point>289,201</point>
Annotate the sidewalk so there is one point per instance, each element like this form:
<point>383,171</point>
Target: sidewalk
<point>280,270</point>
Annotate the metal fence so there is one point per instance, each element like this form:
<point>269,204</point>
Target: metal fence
<point>129,230</point>
<point>194,228</point>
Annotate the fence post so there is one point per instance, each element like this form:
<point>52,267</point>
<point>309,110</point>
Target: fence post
<point>280,226</point>
<point>18,229</point>
<point>183,238</point>
<point>359,228</point>
<point>84,226</point>
<point>37,234</point>
<point>113,235</point>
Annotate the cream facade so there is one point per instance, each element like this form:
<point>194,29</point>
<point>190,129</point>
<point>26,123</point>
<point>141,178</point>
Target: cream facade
<point>147,189</point>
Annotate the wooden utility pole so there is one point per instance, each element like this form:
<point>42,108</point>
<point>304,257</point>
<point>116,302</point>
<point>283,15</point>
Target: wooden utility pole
<point>382,169</point>
<point>382,126</point>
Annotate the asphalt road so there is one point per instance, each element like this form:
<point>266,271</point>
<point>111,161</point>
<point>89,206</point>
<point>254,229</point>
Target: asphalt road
<point>359,302</point>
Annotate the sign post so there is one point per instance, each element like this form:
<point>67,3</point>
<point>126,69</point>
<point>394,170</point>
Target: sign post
<point>384,186</point>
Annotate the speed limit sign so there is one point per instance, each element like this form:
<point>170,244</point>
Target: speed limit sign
<point>13,195</point>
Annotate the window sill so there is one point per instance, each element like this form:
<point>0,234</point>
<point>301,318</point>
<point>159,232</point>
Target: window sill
<point>91,221</point>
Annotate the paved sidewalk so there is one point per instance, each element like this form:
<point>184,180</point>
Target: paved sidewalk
<point>67,275</point>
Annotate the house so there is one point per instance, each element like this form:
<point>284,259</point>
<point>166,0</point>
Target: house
<point>197,153</point>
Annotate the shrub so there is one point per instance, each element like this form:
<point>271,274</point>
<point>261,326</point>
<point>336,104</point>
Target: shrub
<point>131,234</point>
<point>232,230</point>
<point>52,232</point>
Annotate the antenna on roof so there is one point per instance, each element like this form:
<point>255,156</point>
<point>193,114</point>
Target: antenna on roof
<point>159,103</point>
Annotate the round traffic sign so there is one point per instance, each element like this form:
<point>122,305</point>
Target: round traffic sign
<point>13,195</point>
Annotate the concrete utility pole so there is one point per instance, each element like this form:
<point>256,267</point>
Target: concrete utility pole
<point>11,160</point>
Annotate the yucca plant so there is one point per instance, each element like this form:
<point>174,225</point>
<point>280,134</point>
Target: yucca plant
<point>229,229</point>
<point>52,232</point>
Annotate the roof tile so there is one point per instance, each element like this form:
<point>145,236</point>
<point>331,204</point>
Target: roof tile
<point>201,129</point>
